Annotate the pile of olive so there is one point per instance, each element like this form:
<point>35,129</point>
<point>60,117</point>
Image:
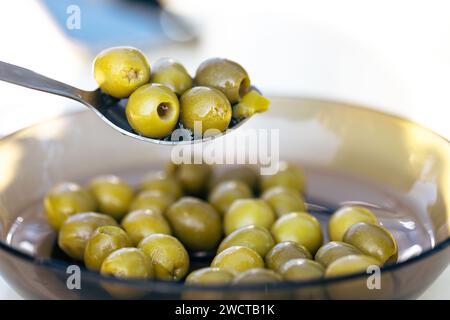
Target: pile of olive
<point>165,97</point>
<point>186,209</point>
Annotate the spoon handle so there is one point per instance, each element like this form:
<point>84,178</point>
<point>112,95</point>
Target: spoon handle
<point>29,79</point>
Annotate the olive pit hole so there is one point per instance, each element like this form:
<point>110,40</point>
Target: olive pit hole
<point>132,74</point>
<point>244,86</point>
<point>164,110</point>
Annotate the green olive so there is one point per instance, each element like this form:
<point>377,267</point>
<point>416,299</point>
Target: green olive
<point>345,217</point>
<point>265,278</point>
<point>350,264</point>
<point>104,241</point>
<point>253,237</point>
<point>251,103</point>
<point>372,283</point>
<point>162,182</point>
<point>141,223</point>
<point>237,259</point>
<point>334,250</point>
<point>195,223</point>
<point>78,229</point>
<point>301,269</point>
<point>372,240</point>
<point>153,110</point>
<point>284,200</point>
<point>257,275</point>
<point>113,195</point>
<point>203,109</point>
<point>246,212</point>
<point>299,227</point>
<point>154,200</point>
<point>169,258</point>
<point>224,75</point>
<point>224,194</point>
<point>128,263</point>
<point>65,200</point>
<point>243,173</point>
<point>287,175</point>
<point>172,74</point>
<point>285,251</point>
<point>194,178</point>
<point>208,276</point>
<point>121,70</point>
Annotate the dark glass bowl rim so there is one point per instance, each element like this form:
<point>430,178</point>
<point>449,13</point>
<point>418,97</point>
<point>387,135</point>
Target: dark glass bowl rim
<point>174,287</point>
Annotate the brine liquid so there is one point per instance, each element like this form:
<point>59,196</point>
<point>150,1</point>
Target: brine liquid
<point>327,191</point>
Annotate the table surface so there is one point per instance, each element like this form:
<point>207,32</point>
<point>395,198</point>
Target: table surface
<point>324,48</point>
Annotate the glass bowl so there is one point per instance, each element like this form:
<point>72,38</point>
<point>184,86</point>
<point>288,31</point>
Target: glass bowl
<point>350,155</point>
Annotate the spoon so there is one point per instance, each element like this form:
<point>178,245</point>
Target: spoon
<point>109,109</point>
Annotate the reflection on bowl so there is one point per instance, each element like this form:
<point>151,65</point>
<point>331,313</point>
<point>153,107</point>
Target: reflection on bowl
<point>350,155</point>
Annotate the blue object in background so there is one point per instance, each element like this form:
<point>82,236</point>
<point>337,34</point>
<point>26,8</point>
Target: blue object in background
<point>106,23</point>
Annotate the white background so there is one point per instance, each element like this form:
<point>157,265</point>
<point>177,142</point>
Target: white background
<point>392,55</point>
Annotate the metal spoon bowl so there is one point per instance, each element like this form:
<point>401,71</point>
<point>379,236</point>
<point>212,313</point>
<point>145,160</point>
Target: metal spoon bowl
<point>109,109</point>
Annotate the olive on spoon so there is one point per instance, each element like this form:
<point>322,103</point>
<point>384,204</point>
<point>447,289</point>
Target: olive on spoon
<point>108,108</point>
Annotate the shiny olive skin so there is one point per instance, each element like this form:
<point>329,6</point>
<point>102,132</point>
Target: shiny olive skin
<point>246,212</point>
<point>284,200</point>
<point>154,200</point>
<point>142,223</point>
<point>205,111</point>
<point>257,275</point>
<point>251,103</point>
<point>153,110</point>
<point>237,259</point>
<point>350,264</point>
<point>78,229</point>
<point>225,75</point>
<point>209,276</point>
<point>224,194</point>
<point>193,177</point>
<point>162,182</point>
<point>299,227</point>
<point>195,223</point>
<point>334,250</point>
<point>65,200</point>
<point>253,237</point>
<point>128,263</point>
<point>104,241</point>
<point>283,252</point>
<point>243,173</point>
<point>172,74</point>
<point>301,269</point>
<point>372,240</point>
<point>121,70</point>
<point>345,217</point>
<point>168,256</point>
<point>288,175</point>
<point>112,194</point>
